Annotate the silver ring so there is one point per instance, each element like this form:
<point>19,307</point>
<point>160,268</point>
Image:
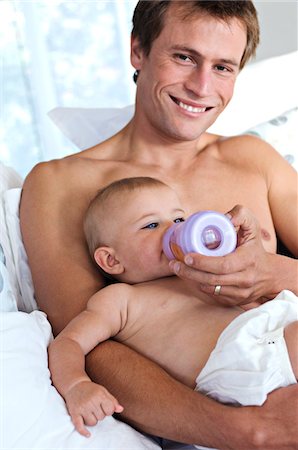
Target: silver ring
<point>217,290</point>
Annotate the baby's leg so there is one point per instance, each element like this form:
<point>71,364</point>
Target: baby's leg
<point>291,338</point>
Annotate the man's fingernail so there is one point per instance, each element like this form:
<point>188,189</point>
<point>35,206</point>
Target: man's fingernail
<point>175,266</point>
<point>188,260</point>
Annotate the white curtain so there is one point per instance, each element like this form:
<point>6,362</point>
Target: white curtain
<point>59,53</point>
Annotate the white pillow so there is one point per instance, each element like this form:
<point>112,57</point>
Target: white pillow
<point>8,301</point>
<point>22,274</point>
<point>281,133</point>
<point>86,127</point>
<point>9,294</point>
<point>9,178</point>
<point>34,414</point>
<point>263,91</point>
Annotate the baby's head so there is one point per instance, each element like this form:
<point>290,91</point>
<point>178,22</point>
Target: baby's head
<point>124,226</point>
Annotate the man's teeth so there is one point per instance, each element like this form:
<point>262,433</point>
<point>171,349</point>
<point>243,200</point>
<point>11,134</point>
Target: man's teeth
<point>191,108</point>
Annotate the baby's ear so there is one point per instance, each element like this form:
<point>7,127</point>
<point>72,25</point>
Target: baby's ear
<point>105,257</point>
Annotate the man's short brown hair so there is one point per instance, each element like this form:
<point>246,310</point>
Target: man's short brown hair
<point>148,19</point>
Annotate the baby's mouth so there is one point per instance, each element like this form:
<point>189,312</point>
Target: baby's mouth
<point>190,108</point>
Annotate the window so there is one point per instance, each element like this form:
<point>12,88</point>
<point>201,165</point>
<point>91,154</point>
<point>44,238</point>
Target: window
<point>59,53</point>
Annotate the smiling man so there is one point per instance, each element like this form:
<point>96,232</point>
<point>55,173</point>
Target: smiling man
<point>187,79</point>
<point>187,55</point>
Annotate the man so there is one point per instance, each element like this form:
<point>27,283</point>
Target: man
<point>187,56</point>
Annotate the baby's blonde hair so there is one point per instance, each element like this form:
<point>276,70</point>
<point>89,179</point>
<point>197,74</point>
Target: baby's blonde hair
<point>95,212</point>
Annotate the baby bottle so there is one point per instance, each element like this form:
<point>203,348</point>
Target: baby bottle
<point>207,232</point>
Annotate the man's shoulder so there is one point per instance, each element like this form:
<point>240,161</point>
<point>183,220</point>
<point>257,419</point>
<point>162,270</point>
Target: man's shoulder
<point>241,141</point>
<point>225,143</point>
<point>54,166</point>
<point>73,168</point>
<point>244,147</point>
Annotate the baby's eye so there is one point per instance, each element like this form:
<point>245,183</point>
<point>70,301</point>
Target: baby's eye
<point>151,225</point>
<point>180,219</point>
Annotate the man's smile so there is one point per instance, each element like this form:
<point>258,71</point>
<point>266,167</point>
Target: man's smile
<point>190,108</point>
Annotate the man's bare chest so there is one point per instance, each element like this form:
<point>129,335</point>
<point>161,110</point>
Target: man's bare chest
<point>200,186</point>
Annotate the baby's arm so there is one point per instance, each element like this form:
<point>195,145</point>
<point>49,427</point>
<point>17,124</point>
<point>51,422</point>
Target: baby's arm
<point>104,317</point>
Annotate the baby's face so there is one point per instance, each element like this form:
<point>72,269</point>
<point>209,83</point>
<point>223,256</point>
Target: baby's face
<point>143,217</point>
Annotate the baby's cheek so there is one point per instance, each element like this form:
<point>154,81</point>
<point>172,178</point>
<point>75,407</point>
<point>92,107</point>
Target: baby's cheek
<point>150,259</point>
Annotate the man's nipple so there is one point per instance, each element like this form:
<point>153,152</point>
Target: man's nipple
<point>265,235</point>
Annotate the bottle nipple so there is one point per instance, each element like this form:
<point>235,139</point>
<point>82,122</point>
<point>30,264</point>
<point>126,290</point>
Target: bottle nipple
<point>211,237</point>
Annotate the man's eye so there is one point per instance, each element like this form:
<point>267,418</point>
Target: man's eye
<point>180,219</point>
<point>222,68</point>
<point>183,57</point>
<point>151,225</point>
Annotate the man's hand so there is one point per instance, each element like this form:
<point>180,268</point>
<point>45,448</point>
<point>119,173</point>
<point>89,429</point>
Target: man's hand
<point>245,276</point>
<point>275,423</point>
<point>87,403</point>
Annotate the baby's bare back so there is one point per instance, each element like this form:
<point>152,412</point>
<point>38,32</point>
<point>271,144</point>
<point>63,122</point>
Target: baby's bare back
<point>169,324</point>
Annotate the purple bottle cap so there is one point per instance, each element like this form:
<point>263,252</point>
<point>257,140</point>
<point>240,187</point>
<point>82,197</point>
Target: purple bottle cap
<point>206,232</point>
<point>209,233</point>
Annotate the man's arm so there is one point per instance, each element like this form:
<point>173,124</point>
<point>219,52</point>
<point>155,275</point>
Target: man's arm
<point>64,279</point>
<point>245,276</point>
<point>51,214</point>
<point>157,404</point>
<point>250,272</point>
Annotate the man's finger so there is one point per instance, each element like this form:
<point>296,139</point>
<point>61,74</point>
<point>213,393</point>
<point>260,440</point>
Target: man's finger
<point>239,279</point>
<point>228,264</point>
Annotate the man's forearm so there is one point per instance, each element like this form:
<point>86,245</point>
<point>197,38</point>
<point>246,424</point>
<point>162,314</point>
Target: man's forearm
<point>157,404</point>
<point>285,274</point>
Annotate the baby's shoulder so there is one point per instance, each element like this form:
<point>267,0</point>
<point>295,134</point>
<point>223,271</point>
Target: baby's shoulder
<point>115,294</point>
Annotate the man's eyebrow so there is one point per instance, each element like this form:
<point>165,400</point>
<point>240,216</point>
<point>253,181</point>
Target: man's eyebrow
<point>192,51</point>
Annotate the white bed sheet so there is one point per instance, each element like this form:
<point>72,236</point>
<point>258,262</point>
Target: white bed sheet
<point>33,414</point>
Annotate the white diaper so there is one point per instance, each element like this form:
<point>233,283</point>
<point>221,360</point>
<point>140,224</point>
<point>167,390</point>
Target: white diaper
<point>251,358</point>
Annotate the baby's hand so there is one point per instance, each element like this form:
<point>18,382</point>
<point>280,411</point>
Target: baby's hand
<point>87,403</point>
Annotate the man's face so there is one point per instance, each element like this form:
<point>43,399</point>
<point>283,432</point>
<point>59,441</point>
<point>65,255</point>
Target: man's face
<point>140,221</point>
<point>188,78</point>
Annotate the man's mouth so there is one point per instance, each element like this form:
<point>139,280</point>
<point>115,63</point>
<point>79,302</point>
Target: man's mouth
<point>190,108</point>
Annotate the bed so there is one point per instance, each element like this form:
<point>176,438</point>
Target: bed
<point>33,414</point>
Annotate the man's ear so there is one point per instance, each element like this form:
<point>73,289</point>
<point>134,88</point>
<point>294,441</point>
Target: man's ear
<point>105,257</point>
<point>136,53</point>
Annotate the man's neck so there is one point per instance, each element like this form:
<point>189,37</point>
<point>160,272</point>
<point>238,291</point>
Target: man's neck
<point>152,147</point>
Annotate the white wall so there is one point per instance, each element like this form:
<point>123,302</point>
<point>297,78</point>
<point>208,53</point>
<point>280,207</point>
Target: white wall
<point>278,21</point>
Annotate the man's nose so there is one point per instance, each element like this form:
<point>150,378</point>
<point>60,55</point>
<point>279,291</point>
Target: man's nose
<point>200,81</point>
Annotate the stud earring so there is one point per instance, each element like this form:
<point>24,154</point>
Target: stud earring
<point>135,76</point>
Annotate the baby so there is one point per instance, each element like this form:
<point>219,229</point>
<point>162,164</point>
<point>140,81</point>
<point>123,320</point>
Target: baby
<point>234,356</point>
